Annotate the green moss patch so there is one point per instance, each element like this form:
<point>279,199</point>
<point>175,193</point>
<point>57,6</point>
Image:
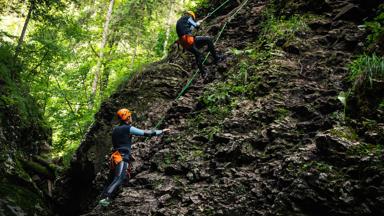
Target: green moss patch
<point>345,133</point>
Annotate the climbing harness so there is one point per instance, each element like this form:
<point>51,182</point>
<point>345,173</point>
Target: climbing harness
<point>206,57</point>
<point>115,159</point>
<point>186,41</point>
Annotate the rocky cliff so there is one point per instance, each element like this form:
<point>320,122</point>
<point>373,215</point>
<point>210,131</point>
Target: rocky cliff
<point>265,135</point>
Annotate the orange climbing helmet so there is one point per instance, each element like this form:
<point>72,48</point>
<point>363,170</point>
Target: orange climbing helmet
<point>124,114</point>
<point>191,13</point>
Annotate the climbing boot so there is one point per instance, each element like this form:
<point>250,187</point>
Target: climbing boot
<point>105,202</point>
<point>204,75</point>
<point>217,59</point>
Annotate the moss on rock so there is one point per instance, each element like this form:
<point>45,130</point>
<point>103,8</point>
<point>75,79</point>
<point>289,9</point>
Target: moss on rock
<point>17,200</point>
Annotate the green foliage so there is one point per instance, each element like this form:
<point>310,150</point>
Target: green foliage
<point>345,133</point>
<point>275,28</point>
<point>282,113</point>
<point>197,4</point>
<point>161,38</point>
<point>15,95</point>
<point>219,97</point>
<point>376,26</point>
<point>318,166</point>
<point>237,52</point>
<point>222,97</point>
<point>240,83</point>
<point>160,42</point>
<point>197,153</point>
<point>381,105</point>
<point>284,27</point>
<point>364,149</point>
<point>334,174</point>
<point>369,124</point>
<point>366,74</point>
<point>212,130</point>
<point>365,69</point>
<point>220,94</point>
<point>343,98</point>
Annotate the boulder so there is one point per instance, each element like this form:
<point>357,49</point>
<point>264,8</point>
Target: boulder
<point>327,144</point>
<point>350,12</point>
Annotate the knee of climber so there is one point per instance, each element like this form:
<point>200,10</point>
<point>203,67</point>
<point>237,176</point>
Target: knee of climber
<point>122,177</point>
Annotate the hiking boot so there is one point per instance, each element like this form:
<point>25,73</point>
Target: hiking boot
<point>105,202</point>
<point>204,75</point>
<point>217,59</point>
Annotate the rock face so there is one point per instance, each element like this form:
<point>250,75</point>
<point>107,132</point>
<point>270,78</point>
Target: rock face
<point>24,173</point>
<point>281,148</point>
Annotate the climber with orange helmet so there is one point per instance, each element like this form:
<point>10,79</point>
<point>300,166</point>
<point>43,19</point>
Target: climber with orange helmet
<point>122,141</point>
<point>184,27</point>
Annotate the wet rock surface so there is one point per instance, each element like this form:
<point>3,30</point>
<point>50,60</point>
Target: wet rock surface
<point>285,152</point>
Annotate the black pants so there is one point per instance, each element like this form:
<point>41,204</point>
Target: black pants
<point>120,175</point>
<point>201,41</point>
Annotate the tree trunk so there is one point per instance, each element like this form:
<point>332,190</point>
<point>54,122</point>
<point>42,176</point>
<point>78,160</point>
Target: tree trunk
<point>168,30</point>
<point>101,53</point>
<point>104,80</point>
<point>23,32</point>
<point>107,68</point>
<point>46,93</point>
<point>134,54</point>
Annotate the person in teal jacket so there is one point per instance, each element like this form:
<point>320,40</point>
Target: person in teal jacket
<point>122,141</point>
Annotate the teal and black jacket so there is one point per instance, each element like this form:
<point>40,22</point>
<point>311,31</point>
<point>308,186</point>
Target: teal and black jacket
<point>122,136</point>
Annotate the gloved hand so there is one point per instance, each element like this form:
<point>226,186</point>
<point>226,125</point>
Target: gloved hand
<point>166,130</point>
<point>198,23</point>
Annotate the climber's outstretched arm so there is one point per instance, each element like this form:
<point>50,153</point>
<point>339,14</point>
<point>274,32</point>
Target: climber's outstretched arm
<point>193,23</point>
<point>146,133</point>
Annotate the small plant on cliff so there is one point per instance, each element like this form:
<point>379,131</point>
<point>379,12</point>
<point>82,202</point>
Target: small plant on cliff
<point>366,149</point>
<point>366,69</point>
<point>275,29</point>
<point>366,92</point>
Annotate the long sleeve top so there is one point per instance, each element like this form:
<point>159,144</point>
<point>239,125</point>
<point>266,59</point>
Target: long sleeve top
<point>122,136</point>
<point>185,26</point>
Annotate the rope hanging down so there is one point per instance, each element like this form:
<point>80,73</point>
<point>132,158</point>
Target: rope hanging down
<point>206,57</point>
<point>214,11</point>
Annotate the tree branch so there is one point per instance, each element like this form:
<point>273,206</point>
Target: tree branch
<point>93,50</point>
<point>40,62</point>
